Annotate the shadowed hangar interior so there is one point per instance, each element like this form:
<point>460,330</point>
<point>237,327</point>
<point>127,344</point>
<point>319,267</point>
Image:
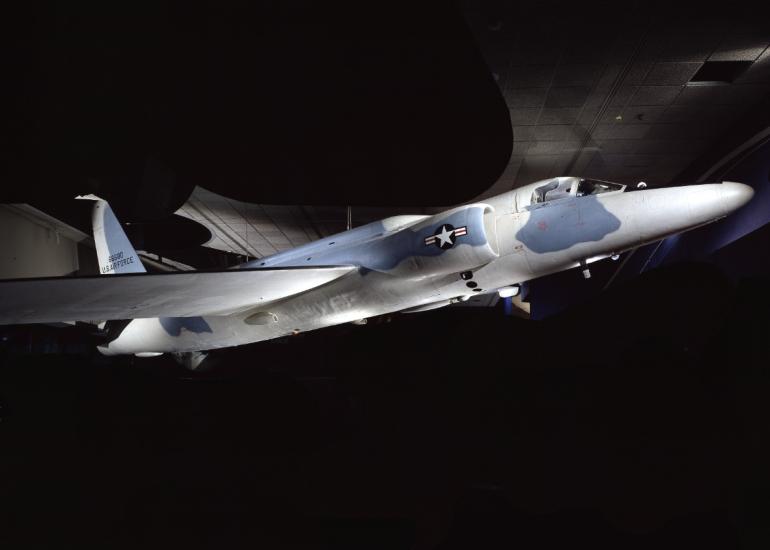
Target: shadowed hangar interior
<point>626,410</point>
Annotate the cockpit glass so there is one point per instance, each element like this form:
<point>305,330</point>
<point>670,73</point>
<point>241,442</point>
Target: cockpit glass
<point>572,187</point>
<point>593,187</point>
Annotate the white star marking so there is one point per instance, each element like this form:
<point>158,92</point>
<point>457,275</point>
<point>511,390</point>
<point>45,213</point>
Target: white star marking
<point>445,236</point>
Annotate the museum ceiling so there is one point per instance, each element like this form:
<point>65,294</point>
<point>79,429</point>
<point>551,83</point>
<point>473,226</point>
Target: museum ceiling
<point>623,99</point>
<point>264,122</point>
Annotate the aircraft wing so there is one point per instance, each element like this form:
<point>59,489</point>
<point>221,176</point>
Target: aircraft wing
<point>137,295</point>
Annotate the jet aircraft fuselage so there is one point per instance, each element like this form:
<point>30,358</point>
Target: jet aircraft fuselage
<point>412,263</point>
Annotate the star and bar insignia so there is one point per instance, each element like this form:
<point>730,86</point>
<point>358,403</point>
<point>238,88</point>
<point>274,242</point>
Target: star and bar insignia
<point>446,235</point>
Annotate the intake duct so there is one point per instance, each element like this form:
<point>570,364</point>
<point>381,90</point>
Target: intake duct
<point>458,240</point>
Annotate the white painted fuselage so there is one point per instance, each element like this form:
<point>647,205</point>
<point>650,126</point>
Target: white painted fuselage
<point>410,261</point>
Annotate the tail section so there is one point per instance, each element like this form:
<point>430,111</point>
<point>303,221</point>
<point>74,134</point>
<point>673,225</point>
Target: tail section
<point>114,250</point>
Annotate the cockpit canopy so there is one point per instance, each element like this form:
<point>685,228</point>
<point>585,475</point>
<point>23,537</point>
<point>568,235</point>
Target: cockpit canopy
<point>559,188</point>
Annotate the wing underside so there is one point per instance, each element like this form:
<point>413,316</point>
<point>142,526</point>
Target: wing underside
<point>133,296</point>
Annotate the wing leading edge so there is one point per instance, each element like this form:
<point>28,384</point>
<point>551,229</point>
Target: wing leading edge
<point>133,296</point>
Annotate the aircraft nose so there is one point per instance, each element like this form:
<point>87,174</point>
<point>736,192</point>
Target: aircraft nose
<point>734,195</point>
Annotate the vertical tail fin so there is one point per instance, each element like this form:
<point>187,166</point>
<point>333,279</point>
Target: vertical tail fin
<point>114,250</point>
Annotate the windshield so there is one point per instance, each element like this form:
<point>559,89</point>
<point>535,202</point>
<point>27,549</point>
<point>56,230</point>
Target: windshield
<point>559,188</point>
<point>595,187</point>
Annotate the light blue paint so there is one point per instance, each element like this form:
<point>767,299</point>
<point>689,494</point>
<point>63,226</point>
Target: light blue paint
<point>371,249</point>
<point>174,325</point>
<point>561,224</point>
<point>119,248</point>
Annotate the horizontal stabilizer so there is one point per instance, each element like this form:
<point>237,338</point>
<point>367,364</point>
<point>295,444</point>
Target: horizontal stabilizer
<point>133,296</point>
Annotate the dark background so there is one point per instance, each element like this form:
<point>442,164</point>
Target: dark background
<point>637,418</point>
<point>271,102</point>
<point>641,426</point>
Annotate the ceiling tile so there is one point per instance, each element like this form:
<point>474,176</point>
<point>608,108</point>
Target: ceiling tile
<point>677,162</point>
<point>620,49</point>
<point>521,147</point>
<point>530,76</point>
<point>592,172</point>
<point>559,115</point>
<point>577,75</point>
<point>683,113</point>
<point>561,164</point>
<point>689,47</point>
<point>507,179</point>
<point>652,46</point>
<point>582,159</point>
<point>557,132</point>
<point>525,98</point>
<point>512,167</point>
<point>263,251</point>
<point>655,95</point>
<point>273,234</point>
<point>697,113</point>
<point>621,131</point>
<point>554,147</point>
<point>697,129</point>
<point>618,145</point>
<point>671,73</point>
<point>672,146</point>
<point>758,72</point>
<point>537,52</point>
<point>239,207</point>
<point>627,175</point>
<point>265,227</point>
<point>723,95</point>
<point>670,131</point>
<point>645,161</point>
<point>523,133</point>
<point>280,242</point>
<point>626,160</point>
<point>607,78</point>
<point>594,102</point>
<point>534,168</point>
<point>640,114</point>
<point>524,117</point>
<point>664,176</point>
<point>694,23</point>
<point>255,239</point>
<point>294,233</point>
<point>239,228</point>
<point>230,216</point>
<point>741,47</point>
<point>637,73</point>
<point>592,49</point>
<point>622,96</point>
<point>587,115</point>
<point>567,97</point>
